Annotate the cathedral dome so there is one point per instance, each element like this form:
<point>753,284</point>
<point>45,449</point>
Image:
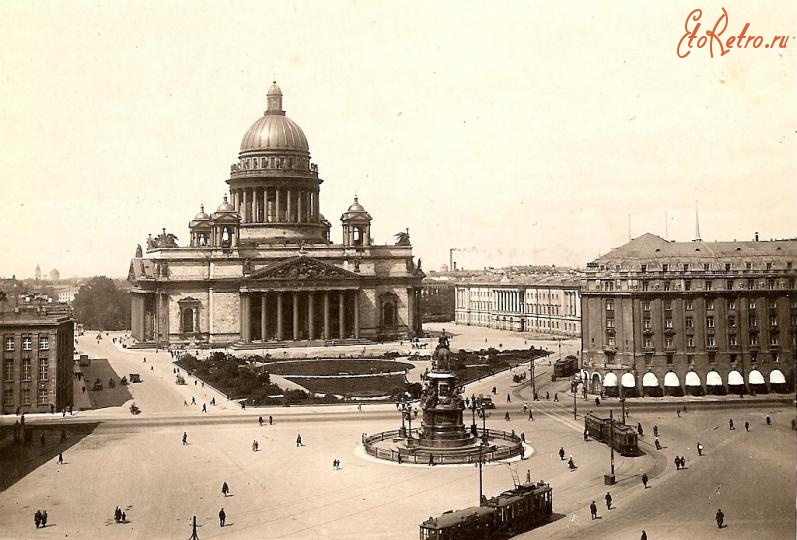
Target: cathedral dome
<point>274,130</point>
<point>202,216</point>
<point>225,206</point>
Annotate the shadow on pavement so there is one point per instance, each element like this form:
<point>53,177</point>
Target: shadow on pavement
<point>21,458</point>
<point>100,369</point>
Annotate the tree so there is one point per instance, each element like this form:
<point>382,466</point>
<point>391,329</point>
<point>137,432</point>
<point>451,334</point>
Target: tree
<point>101,305</point>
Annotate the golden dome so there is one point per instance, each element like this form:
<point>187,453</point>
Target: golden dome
<point>274,130</point>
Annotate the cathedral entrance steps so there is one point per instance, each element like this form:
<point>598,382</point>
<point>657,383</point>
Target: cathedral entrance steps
<point>255,345</point>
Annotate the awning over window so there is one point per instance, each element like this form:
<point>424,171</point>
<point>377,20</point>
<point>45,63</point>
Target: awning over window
<point>713,379</point>
<point>735,378</point>
<point>776,377</point>
<point>610,380</point>
<point>584,375</point>
<point>650,379</point>
<point>692,379</point>
<point>671,379</point>
<point>755,377</point>
<point>627,380</point>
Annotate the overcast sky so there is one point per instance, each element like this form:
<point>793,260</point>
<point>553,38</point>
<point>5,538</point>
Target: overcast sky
<point>525,133</point>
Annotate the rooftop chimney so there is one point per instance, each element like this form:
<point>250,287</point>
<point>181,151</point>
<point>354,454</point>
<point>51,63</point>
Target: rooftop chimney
<point>756,236</point>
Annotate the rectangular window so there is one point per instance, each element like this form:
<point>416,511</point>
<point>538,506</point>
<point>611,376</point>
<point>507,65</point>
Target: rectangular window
<point>769,266</point>
<point>648,342</point>
<point>732,321</point>
<point>8,396</point>
<point>710,321</point>
<point>775,358</point>
<point>748,265</point>
<point>647,324</point>
<point>688,305</point>
<point>770,284</point>
<point>751,305</point>
<point>26,395</point>
<point>667,285</point>
<point>711,341</point>
<point>608,285</point>
<point>687,284</point>
<point>750,284</point>
<point>690,322</point>
<point>690,341</point>
<point>709,304</point>
<point>773,340</point>
<point>609,305</point>
<point>690,359</point>
<point>731,304</point>
<point>609,323</point>
<point>754,357</point>
<point>667,304</point>
<point>732,358</point>
<point>44,343</point>
<point>43,368</point>
<point>665,267</point>
<point>668,342</point>
<point>9,343</point>
<point>670,360</point>
<point>727,267</point>
<point>729,285</point>
<point>712,358</point>
<point>732,340</point>
<point>686,267</point>
<point>667,323</point>
<point>645,305</point>
<point>645,285</point>
<point>27,343</point>
<point>643,268</point>
<point>8,370</point>
<point>43,395</point>
<point>773,321</point>
<point>27,372</point>
<point>753,339</point>
<point>708,284</point>
<point>610,340</point>
<point>648,359</point>
<point>752,322</point>
<point>706,267</point>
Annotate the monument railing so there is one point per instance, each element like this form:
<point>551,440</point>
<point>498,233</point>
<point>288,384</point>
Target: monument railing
<point>422,455</point>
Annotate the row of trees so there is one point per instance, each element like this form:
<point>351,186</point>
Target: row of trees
<point>101,305</point>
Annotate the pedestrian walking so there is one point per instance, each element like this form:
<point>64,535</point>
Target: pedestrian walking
<point>547,395</point>
<point>657,443</point>
<point>508,398</point>
<point>63,435</point>
<point>677,463</point>
<point>562,453</point>
<point>222,517</point>
<point>769,421</point>
<point>255,446</point>
<point>117,515</point>
<point>225,489</point>
<point>213,401</point>
<point>644,536</point>
<point>42,440</point>
<point>260,421</point>
<point>730,424</point>
<point>608,498</point>
<point>639,428</point>
<point>699,449</point>
<point>597,401</point>
<point>44,518</point>
<point>571,463</point>
<point>678,412</point>
<point>124,517</point>
<point>204,407</point>
<point>60,458</point>
<point>193,400</point>
<point>506,416</point>
<point>299,440</point>
<point>556,396</point>
<point>746,425</point>
<point>720,517</point>
<point>37,518</point>
<point>525,407</point>
<point>185,438</point>
<point>528,476</point>
<point>593,510</point>
<point>531,415</point>
<point>656,431</point>
<point>645,480</point>
<point>270,420</point>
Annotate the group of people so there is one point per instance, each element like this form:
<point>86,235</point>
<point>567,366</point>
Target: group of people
<point>40,518</point>
<point>119,516</point>
<point>570,463</point>
<point>336,464</point>
<point>261,421</point>
<point>680,463</point>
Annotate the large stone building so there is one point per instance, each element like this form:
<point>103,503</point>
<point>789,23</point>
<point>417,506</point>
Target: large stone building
<point>37,361</point>
<point>522,303</point>
<point>694,317</point>
<point>263,269</point>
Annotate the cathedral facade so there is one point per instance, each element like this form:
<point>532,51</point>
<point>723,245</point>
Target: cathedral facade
<point>262,268</point>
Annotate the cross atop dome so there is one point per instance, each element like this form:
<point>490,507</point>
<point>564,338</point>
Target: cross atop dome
<point>274,100</point>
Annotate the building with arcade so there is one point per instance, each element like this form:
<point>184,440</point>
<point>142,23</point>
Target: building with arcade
<point>262,269</point>
<point>661,317</point>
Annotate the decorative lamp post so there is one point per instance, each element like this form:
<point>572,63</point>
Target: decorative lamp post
<point>575,406</point>
<point>609,479</point>
<point>473,406</point>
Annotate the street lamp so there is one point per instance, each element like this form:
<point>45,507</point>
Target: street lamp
<point>574,386</point>
<point>473,410</point>
<point>533,384</point>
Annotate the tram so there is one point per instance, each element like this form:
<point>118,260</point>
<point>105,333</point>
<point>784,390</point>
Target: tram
<point>512,512</point>
<point>622,437</point>
<point>565,367</point>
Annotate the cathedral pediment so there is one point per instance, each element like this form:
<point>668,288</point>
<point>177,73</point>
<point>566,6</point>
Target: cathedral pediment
<point>302,268</point>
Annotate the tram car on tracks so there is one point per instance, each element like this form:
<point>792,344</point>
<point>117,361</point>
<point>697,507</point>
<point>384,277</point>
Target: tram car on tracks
<point>512,512</point>
<point>565,368</point>
<point>622,437</point>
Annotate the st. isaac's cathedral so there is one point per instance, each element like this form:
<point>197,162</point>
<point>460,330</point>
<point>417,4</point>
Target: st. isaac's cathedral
<point>262,268</point>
